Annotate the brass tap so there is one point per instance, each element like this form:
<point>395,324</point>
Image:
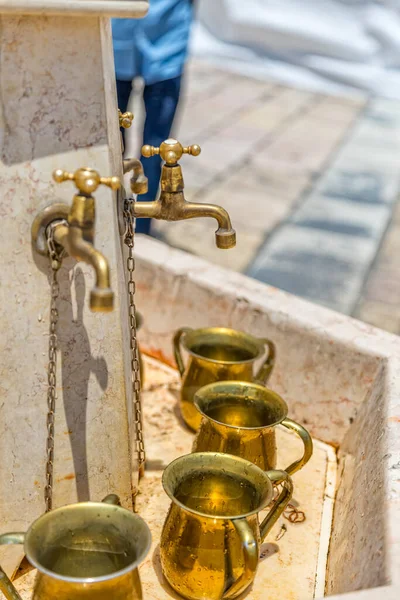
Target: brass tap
<point>125,119</point>
<point>77,236</point>
<point>139,181</point>
<point>171,205</point>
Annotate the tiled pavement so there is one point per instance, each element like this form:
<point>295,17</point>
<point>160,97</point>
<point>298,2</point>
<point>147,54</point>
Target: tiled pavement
<point>311,183</point>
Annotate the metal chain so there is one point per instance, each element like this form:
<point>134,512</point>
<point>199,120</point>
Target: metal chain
<point>55,262</point>
<point>129,219</point>
<point>291,512</point>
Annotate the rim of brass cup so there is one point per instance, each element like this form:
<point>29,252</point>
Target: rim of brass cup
<point>190,338</point>
<point>177,471</point>
<point>128,524</point>
<point>267,409</point>
<point>50,528</point>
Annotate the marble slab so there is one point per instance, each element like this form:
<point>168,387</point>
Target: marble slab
<point>58,110</point>
<point>133,9</point>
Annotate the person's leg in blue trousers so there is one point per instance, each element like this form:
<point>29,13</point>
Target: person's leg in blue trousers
<point>160,101</point>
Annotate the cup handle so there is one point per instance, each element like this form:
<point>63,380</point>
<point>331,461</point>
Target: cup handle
<point>307,441</point>
<point>265,370</point>
<point>6,587</point>
<point>177,348</point>
<point>281,503</point>
<point>112,499</point>
<point>250,555</point>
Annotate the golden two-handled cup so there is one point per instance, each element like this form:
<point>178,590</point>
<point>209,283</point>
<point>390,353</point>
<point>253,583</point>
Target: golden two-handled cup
<point>240,418</point>
<point>85,551</point>
<point>211,538</point>
<point>218,354</point>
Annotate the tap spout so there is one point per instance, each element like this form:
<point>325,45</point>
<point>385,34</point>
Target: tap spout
<point>172,206</point>
<point>225,236</point>
<point>72,239</point>
<point>139,181</point>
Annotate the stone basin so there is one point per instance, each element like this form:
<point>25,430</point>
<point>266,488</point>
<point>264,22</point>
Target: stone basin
<point>340,378</point>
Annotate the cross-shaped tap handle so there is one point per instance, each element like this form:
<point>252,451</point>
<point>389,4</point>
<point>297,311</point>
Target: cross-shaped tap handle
<point>171,151</point>
<point>86,180</point>
<point>125,119</point>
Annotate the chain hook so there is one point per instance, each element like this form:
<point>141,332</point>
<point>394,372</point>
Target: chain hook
<point>128,237</point>
<point>55,263</point>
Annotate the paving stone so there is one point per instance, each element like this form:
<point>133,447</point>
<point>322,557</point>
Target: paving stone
<point>376,137</point>
<point>219,110</point>
<point>337,111</point>
<point>306,142</point>
<point>390,249</point>
<point>396,213</point>
<point>380,314</point>
<point>383,111</point>
<point>343,216</point>
<point>327,268</point>
<point>286,102</point>
<point>199,172</point>
<point>201,82</point>
<point>235,144</point>
<point>367,186</point>
<point>197,236</point>
<point>253,207</point>
<point>277,180</point>
<point>384,286</point>
<point>359,156</point>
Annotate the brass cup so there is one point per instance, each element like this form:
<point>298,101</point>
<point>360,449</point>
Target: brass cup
<point>211,537</point>
<point>240,418</point>
<point>218,354</point>
<point>85,551</point>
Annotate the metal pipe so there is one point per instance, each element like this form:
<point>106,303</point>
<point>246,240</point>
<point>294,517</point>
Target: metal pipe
<point>72,239</point>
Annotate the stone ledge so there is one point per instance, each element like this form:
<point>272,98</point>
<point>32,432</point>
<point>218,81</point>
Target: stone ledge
<point>105,8</point>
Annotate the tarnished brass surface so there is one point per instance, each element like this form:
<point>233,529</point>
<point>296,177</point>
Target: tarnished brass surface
<point>87,180</point>
<point>84,551</point>
<point>55,212</point>
<point>125,119</point>
<point>77,236</point>
<point>171,151</point>
<point>139,182</point>
<point>171,205</point>
<point>211,537</point>
<point>240,418</point>
<point>217,354</point>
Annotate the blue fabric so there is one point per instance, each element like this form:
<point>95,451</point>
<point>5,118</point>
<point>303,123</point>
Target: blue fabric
<point>160,101</point>
<point>155,47</point>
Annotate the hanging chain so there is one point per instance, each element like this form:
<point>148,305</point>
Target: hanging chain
<point>129,219</point>
<point>55,261</point>
<point>291,512</point>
